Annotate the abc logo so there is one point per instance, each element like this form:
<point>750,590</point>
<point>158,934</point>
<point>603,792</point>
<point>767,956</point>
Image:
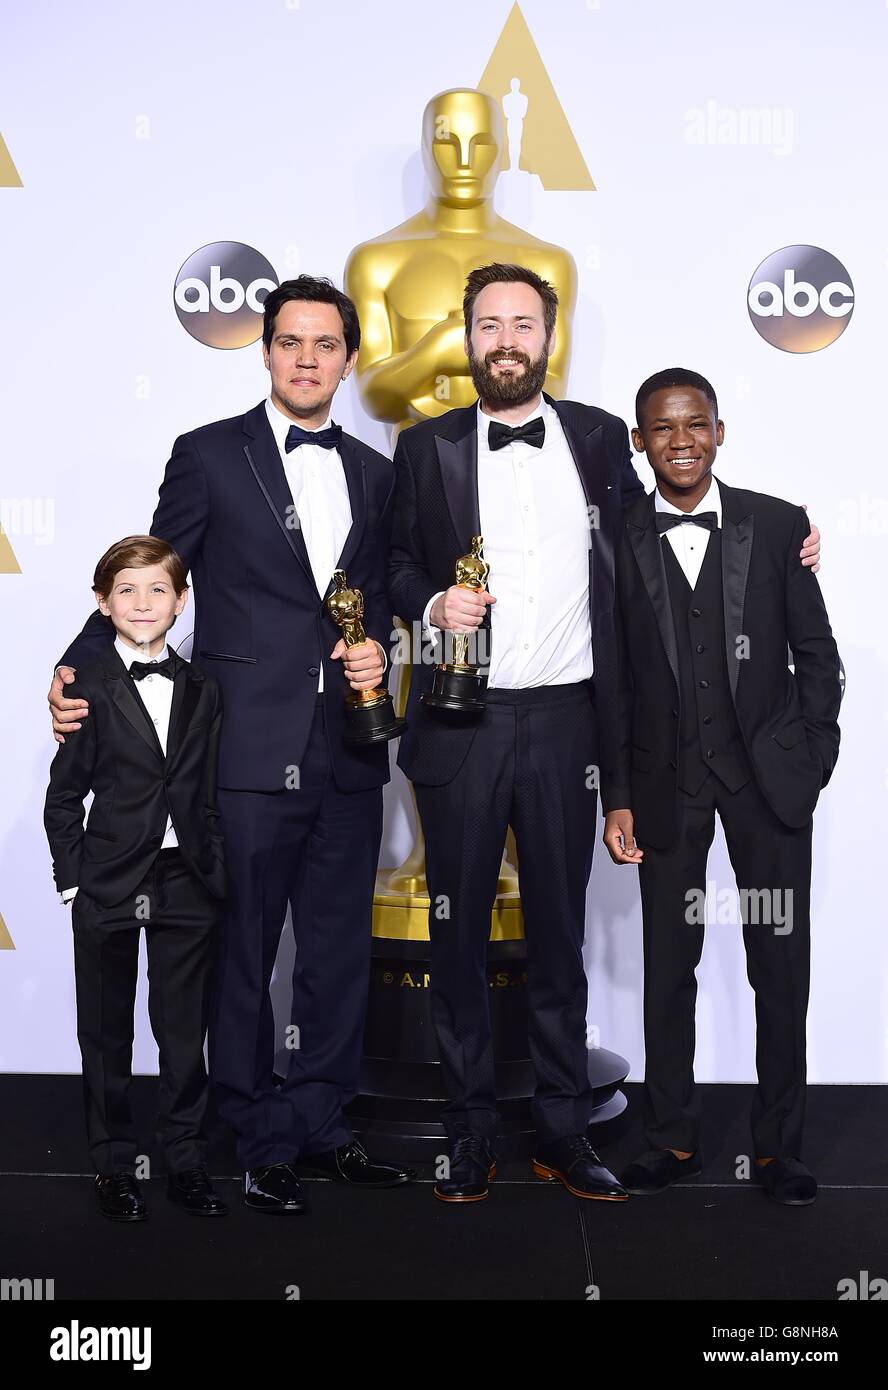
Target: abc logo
<point>800,299</point>
<point>220,291</point>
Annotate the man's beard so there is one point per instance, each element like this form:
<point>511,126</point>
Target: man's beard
<point>508,389</point>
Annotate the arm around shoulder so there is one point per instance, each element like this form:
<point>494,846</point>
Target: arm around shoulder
<point>183,502</point>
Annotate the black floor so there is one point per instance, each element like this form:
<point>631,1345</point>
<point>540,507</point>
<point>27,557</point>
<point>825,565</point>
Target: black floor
<point>715,1238</point>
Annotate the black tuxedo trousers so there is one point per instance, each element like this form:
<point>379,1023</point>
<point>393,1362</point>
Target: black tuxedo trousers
<point>772,866</point>
<point>179,916</point>
<point>531,766</point>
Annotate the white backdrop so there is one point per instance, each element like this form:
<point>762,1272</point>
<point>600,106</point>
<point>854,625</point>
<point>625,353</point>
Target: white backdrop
<point>142,133</point>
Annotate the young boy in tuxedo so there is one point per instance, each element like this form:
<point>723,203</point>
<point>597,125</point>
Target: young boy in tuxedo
<point>712,719</point>
<point>151,855</point>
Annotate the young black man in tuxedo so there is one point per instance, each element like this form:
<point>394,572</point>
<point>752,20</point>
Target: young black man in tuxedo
<point>713,721</point>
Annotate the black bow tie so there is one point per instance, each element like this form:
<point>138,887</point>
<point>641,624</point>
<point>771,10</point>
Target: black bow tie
<point>666,520</point>
<point>325,439</point>
<point>532,432</point>
<point>140,669</point>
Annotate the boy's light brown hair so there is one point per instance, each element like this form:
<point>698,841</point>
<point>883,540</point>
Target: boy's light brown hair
<point>137,552</point>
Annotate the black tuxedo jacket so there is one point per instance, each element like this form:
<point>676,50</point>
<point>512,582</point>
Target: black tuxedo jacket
<point>437,513</point>
<point>260,624</point>
<point>117,755</point>
<point>788,721</point>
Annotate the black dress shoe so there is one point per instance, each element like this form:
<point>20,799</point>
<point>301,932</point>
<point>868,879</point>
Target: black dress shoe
<point>574,1162</point>
<point>472,1165</point>
<point>787,1181</point>
<point>274,1188</point>
<point>655,1170</point>
<point>352,1164</point>
<point>194,1192</point>
<point>119,1197</point>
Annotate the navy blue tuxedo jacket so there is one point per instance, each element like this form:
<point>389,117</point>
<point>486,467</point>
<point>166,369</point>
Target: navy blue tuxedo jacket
<point>260,625</point>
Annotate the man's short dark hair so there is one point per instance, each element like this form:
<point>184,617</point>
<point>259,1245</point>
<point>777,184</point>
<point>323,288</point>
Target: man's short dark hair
<point>498,274</point>
<point>673,376</point>
<point>317,290</point>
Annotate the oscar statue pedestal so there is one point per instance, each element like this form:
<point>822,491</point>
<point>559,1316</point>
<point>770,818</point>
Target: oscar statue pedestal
<point>399,1106</point>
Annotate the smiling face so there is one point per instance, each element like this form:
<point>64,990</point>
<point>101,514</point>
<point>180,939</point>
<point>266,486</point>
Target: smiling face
<point>142,605</point>
<point>506,344</point>
<point>307,359</point>
<point>681,436</point>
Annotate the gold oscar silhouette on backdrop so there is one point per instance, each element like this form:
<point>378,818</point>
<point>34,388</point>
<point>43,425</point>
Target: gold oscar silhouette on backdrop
<point>408,287</point>
<point>9,175</point>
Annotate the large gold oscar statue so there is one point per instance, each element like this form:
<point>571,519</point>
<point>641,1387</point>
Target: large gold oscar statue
<point>408,283</point>
<point>408,287</point>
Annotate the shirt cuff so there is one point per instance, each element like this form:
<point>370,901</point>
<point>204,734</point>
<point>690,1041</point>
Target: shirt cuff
<point>426,617</point>
<point>67,895</point>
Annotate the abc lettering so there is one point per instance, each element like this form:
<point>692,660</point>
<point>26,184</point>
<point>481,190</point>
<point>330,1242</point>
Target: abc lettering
<point>835,299</point>
<point>232,290</point>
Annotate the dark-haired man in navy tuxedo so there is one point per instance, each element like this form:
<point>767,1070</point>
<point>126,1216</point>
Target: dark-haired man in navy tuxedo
<point>262,508</point>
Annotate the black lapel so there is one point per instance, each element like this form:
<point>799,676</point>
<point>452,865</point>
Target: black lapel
<point>263,456</point>
<point>121,689</point>
<point>647,546</point>
<point>737,530</point>
<point>457,447</point>
<point>590,458</point>
<point>355,470</point>
<point>187,685</point>
<point>187,690</point>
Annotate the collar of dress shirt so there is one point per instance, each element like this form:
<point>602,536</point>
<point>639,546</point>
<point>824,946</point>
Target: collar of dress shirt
<point>280,423</point>
<point>542,408</point>
<point>129,654</point>
<point>711,502</point>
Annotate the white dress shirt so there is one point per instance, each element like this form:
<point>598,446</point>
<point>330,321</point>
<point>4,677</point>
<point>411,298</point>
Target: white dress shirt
<point>156,693</point>
<point>689,542</point>
<point>316,479</point>
<point>536,530</point>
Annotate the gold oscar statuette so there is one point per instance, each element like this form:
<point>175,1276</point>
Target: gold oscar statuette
<point>460,686</point>
<point>369,714</point>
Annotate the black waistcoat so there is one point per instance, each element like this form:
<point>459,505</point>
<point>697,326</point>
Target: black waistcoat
<point>709,736</point>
